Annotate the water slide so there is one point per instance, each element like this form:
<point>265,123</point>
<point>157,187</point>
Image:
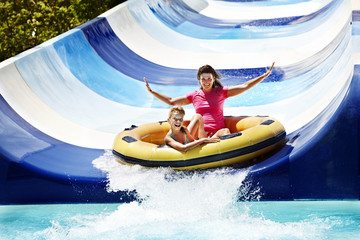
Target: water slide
<point>63,102</point>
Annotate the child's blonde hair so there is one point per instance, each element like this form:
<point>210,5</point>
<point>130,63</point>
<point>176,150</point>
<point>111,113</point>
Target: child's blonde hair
<point>176,109</point>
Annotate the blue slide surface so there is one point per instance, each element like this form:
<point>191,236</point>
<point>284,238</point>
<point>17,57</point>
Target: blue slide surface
<point>63,102</point>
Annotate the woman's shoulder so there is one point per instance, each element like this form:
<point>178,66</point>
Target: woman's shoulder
<point>221,90</point>
<point>217,90</point>
<point>192,94</point>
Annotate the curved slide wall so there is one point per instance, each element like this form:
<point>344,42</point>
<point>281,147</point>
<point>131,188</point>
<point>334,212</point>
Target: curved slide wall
<point>63,102</point>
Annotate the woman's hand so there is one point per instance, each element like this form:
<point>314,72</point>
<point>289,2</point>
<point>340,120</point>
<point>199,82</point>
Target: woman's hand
<point>269,71</point>
<point>147,86</point>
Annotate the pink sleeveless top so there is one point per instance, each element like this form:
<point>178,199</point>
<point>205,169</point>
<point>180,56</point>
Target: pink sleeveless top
<point>211,107</point>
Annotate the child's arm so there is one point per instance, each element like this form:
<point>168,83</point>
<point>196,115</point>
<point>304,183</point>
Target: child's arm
<point>181,147</point>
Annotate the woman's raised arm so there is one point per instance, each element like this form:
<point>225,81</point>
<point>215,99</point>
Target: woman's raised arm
<point>180,101</point>
<point>235,90</point>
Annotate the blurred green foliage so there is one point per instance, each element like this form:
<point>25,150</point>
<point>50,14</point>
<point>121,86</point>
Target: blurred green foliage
<point>27,23</point>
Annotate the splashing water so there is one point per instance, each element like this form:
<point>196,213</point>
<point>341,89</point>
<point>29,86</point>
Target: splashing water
<point>177,194</point>
<point>189,205</point>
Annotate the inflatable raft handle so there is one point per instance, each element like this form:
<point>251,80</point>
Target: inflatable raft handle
<point>230,136</point>
<point>267,122</point>
<point>129,139</point>
<point>130,128</point>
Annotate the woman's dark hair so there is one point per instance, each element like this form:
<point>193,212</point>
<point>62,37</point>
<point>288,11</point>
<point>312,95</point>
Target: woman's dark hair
<point>212,71</point>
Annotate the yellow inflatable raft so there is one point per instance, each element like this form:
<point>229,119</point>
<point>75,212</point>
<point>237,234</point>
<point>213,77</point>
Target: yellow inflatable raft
<point>251,137</point>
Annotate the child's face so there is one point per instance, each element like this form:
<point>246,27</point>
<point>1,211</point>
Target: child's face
<point>176,120</point>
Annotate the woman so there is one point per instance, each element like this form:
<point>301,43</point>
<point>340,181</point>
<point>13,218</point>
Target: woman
<point>208,101</point>
<point>179,137</point>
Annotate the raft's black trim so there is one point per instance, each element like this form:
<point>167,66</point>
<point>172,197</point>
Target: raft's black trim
<point>267,122</point>
<point>129,139</point>
<point>230,135</point>
<point>205,159</point>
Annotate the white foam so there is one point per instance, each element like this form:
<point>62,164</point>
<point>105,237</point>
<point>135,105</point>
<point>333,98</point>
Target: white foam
<point>180,205</point>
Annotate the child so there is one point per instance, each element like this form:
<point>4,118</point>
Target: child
<point>179,137</point>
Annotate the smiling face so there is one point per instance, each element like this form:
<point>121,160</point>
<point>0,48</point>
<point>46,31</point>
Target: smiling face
<point>176,120</point>
<point>206,81</point>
